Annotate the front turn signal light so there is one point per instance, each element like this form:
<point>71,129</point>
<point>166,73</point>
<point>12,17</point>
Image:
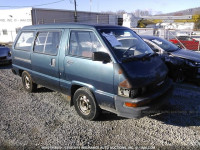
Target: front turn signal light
<point>131,104</point>
<point>139,104</point>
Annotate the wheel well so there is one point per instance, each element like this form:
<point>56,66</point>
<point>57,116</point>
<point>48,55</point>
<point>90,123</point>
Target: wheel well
<point>73,90</point>
<point>20,72</point>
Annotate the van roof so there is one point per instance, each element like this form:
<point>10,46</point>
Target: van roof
<point>71,25</point>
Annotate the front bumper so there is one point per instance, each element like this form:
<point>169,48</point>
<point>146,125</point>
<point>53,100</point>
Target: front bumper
<point>156,101</point>
<point>6,60</point>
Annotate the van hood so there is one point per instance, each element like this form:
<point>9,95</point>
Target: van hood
<point>187,54</point>
<point>141,73</point>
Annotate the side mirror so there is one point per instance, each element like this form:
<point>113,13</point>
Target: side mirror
<point>101,56</point>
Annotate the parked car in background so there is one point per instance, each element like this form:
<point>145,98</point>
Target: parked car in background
<point>5,55</point>
<point>187,41</point>
<point>183,64</point>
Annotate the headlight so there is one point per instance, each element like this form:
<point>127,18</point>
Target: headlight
<point>132,93</point>
<point>193,64</point>
<point>9,54</point>
<point>124,92</point>
<point>125,89</point>
<point>197,63</point>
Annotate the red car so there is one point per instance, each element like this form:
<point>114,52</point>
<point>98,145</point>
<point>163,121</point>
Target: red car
<point>188,42</point>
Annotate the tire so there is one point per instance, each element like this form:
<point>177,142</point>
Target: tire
<point>85,104</point>
<point>27,82</point>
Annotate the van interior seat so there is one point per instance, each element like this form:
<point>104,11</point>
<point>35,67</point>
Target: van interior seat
<point>87,54</point>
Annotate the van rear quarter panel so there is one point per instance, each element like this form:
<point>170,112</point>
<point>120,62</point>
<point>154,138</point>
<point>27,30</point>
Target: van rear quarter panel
<point>21,58</point>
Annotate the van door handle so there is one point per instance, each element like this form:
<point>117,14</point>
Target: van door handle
<point>70,62</point>
<point>53,62</point>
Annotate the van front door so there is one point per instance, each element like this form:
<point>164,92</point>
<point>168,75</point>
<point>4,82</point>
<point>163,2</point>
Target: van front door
<point>45,58</point>
<point>81,70</point>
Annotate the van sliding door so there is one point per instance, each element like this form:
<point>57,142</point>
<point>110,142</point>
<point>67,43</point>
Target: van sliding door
<point>45,59</point>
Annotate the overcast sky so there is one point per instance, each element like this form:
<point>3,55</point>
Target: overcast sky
<point>164,6</point>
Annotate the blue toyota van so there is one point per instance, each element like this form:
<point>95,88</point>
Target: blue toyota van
<point>98,67</point>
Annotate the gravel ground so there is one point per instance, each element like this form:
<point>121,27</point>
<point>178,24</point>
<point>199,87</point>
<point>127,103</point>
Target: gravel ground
<point>44,120</point>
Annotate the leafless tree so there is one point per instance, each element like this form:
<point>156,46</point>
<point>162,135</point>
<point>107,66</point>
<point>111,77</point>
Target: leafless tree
<point>139,13</point>
<point>121,12</point>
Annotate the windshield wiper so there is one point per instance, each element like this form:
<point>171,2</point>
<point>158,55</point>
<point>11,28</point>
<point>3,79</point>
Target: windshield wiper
<point>145,56</point>
<point>130,59</point>
<point>129,49</point>
<point>148,55</point>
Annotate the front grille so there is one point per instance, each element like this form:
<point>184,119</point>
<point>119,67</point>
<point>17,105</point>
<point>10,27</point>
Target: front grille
<point>156,86</point>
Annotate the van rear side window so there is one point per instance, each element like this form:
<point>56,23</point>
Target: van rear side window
<point>47,42</point>
<point>25,41</point>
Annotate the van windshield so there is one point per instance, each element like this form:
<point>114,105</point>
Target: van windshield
<point>126,44</point>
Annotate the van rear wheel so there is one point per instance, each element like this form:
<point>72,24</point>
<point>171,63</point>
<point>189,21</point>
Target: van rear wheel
<point>27,82</point>
<point>85,104</point>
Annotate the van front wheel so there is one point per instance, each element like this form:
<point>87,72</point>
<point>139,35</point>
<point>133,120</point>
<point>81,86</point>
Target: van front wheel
<point>85,104</point>
<point>27,82</point>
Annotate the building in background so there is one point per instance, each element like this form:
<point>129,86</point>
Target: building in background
<point>12,20</point>
<point>130,21</point>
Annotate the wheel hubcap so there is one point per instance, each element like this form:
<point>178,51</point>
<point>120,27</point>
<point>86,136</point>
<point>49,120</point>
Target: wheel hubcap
<point>27,82</point>
<point>84,105</point>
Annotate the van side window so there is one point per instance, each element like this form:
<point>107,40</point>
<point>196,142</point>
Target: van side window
<point>25,41</point>
<point>47,42</point>
<point>83,43</point>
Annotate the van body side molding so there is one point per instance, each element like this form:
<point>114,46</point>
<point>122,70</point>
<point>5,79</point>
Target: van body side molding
<point>22,59</point>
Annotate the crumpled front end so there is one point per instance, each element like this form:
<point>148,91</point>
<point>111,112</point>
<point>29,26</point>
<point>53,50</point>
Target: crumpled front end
<point>141,85</point>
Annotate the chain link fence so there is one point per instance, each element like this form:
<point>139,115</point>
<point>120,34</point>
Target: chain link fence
<point>185,39</point>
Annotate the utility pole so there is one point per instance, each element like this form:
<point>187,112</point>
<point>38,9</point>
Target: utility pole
<point>90,5</point>
<point>75,12</point>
